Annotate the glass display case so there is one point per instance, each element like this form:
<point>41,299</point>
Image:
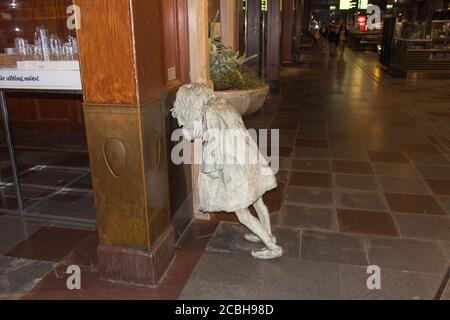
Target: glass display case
<point>408,30</point>
<point>411,36</point>
<point>440,33</point>
<point>35,36</point>
<point>404,43</point>
<point>43,138</point>
<point>418,53</point>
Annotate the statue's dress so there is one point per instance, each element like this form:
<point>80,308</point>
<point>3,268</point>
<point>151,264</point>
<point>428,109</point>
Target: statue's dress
<point>234,174</point>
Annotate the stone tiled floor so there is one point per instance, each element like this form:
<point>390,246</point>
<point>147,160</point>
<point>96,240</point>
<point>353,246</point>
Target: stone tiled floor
<point>365,160</point>
<point>54,183</point>
<point>364,180</point>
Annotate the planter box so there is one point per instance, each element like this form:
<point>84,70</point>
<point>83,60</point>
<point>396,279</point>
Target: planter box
<point>246,101</point>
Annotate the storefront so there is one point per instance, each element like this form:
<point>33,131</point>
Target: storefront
<point>420,46</point>
<point>365,24</point>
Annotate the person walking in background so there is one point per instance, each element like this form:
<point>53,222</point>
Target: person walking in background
<point>331,39</point>
<point>323,37</point>
<point>343,36</point>
<point>335,38</point>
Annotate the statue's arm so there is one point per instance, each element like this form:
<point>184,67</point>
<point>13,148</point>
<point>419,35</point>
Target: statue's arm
<point>213,159</point>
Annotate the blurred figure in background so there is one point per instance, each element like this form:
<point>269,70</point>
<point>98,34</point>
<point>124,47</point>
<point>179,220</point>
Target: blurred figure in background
<point>332,39</point>
<point>323,37</point>
<point>336,39</point>
<point>342,36</point>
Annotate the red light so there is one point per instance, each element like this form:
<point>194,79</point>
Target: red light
<point>362,22</point>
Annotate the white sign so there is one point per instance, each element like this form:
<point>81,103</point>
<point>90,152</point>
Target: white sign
<point>40,79</point>
<point>49,65</point>
<point>363,4</point>
<point>347,4</point>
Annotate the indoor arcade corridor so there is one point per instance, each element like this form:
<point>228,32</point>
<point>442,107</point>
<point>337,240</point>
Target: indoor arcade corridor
<point>364,180</point>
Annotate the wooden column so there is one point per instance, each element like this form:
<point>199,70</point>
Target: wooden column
<point>287,31</point>
<point>228,23</point>
<point>299,12</point>
<point>198,41</point>
<point>241,18</point>
<point>199,72</point>
<point>305,15</point>
<point>122,65</point>
<point>273,44</point>
<point>253,41</point>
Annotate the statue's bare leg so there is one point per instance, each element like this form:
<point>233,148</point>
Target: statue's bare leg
<point>271,251</point>
<point>264,218</point>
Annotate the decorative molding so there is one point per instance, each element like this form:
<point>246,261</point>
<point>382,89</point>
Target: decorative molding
<point>115,155</point>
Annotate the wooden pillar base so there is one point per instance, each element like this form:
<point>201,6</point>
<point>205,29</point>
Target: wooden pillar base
<point>130,177</point>
<point>137,266</point>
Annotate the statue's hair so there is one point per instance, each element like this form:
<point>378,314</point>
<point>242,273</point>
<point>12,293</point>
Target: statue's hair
<point>193,97</point>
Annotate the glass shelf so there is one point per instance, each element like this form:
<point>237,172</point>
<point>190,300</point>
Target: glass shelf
<point>441,33</point>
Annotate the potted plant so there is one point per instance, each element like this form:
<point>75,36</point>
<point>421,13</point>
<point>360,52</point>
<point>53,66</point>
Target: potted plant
<point>233,80</point>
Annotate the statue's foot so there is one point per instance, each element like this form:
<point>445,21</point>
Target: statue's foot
<point>267,254</point>
<point>254,238</point>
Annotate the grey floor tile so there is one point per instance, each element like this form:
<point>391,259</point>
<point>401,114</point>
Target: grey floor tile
<point>14,230</point>
<point>287,140</point>
<point>18,276</point>
<point>447,296</point>
<point>428,285</point>
<point>290,279</point>
<point>349,144</point>
<point>428,158</point>
<point>311,165</point>
<point>308,218</point>
<point>395,170</point>
<point>406,254</point>
<point>285,164</point>
<point>395,285</point>
<point>434,171</point>
<point>222,276</point>
<point>333,247</point>
<point>309,196</point>
<point>348,153</point>
<point>229,237</point>
<point>356,182</point>
<point>353,199</point>
<point>404,185</point>
<point>423,226</point>
<point>228,268</point>
<point>289,239</point>
<point>312,153</point>
<point>446,248</point>
<point>445,202</point>
<point>206,290</point>
<point>89,225</point>
<point>283,176</point>
<point>312,135</point>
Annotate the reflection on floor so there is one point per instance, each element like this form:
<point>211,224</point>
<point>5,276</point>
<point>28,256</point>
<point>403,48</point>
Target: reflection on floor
<point>54,184</point>
<point>364,180</point>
